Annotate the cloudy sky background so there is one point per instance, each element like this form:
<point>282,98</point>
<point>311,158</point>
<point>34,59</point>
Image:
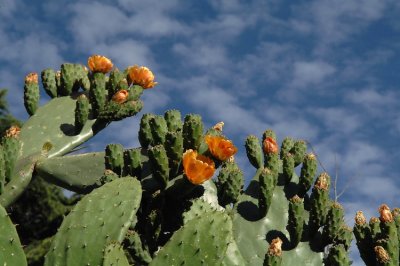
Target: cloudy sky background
<point>325,71</point>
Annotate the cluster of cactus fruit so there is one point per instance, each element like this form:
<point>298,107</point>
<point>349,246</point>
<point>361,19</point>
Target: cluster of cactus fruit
<point>159,204</point>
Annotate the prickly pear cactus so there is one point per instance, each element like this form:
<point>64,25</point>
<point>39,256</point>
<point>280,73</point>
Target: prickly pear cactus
<point>163,203</point>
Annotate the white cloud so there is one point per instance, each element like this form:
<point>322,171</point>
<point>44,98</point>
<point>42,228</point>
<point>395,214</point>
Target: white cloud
<point>371,99</point>
<point>311,73</point>
<point>336,22</point>
<point>337,119</point>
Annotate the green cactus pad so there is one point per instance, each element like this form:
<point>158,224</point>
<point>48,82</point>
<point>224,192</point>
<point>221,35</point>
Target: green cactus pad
<point>70,75</point>
<point>11,147</point>
<point>337,256</point>
<point>174,148</point>
<point>31,97</point>
<point>307,174</point>
<point>82,109</point>
<point>2,170</point>
<point>135,248</point>
<point>198,208</point>
<point>159,129</point>
<point>286,146</point>
<point>254,151</point>
<point>112,84</point>
<point>174,120</point>
<point>54,123</point>
<point>11,252</point>
<point>229,183</point>
<point>49,82</point>
<point>114,158</point>
<point>201,241</point>
<point>299,151</point>
<point>20,179</point>
<point>79,173</point>
<point>145,136</point>
<point>100,218</point>
<point>159,164</point>
<point>114,255</point>
<point>251,233</point>
<point>192,131</point>
<point>97,93</point>
<point>133,162</point>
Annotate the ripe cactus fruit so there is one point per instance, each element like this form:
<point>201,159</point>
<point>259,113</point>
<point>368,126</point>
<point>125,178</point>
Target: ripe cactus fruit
<point>101,217</point>
<point>192,132</point>
<point>382,257</point>
<point>295,220</point>
<point>81,112</point>
<point>11,252</point>
<point>114,158</point>
<point>254,151</point>
<point>49,82</point>
<point>31,93</point>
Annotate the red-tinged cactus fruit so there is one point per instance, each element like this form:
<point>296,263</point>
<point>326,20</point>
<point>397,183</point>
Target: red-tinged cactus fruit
<point>360,218</point>
<point>13,132</point>
<point>99,63</point>
<point>275,248</point>
<point>120,96</point>
<point>141,76</point>
<point>385,214</point>
<point>381,255</point>
<point>197,168</point>
<point>31,78</point>
<point>270,146</point>
<point>219,126</point>
<point>220,147</point>
<point>323,182</point>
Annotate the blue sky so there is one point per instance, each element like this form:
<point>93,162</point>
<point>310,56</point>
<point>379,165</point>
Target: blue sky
<point>325,71</point>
